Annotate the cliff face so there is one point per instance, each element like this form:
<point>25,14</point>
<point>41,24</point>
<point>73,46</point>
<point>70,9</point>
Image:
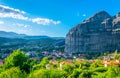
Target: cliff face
<point>99,33</point>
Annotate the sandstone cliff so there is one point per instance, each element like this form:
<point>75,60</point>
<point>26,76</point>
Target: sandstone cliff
<point>99,33</point>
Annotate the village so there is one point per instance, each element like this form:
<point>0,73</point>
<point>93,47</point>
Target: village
<point>105,60</point>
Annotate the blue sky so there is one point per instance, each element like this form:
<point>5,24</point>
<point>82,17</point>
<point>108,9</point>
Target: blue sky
<point>50,17</point>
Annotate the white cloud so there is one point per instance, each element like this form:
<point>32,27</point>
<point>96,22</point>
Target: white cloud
<point>7,9</point>
<point>8,12</point>
<point>45,21</point>
<point>21,25</point>
<point>84,15</point>
<point>12,15</point>
<point>1,22</point>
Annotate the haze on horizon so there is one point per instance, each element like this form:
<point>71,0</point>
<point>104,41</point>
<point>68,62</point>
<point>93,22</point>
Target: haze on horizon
<point>49,17</point>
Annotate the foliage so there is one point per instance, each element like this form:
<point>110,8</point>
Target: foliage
<point>113,72</point>
<point>44,73</point>
<point>13,72</point>
<point>17,59</point>
<point>18,65</point>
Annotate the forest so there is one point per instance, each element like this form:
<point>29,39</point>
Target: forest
<point>18,65</point>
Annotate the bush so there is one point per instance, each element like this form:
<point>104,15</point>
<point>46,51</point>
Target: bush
<point>113,71</point>
<point>85,74</point>
<point>13,72</point>
<point>17,59</point>
<point>43,73</point>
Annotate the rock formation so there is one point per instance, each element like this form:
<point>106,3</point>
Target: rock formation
<point>99,33</point>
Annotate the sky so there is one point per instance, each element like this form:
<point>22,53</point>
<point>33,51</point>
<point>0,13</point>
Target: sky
<point>50,17</point>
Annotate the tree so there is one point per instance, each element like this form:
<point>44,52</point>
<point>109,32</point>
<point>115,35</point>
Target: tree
<point>117,55</point>
<point>75,74</point>
<point>85,74</point>
<point>13,72</point>
<point>68,68</point>
<point>17,59</point>
<point>44,61</point>
<point>96,64</point>
<point>113,71</point>
<point>44,73</point>
<point>42,64</point>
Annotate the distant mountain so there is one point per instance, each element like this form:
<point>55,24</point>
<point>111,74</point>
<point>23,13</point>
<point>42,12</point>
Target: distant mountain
<point>5,34</point>
<point>38,45</point>
<point>11,41</point>
<point>35,37</point>
<point>11,35</point>
<point>58,37</point>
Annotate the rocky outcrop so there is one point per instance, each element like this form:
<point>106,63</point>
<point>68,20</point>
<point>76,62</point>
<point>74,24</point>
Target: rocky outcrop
<point>99,33</point>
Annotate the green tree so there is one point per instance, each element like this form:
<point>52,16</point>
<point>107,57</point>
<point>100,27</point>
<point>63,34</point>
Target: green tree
<point>117,55</point>
<point>17,59</point>
<point>44,73</point>
<point>96,64</point>
<point>68,68</point>
<point>13,72</point>
<point>42,64</point>
<point>75,73</point>
<point>85,74</point>
<point>113,71</point>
